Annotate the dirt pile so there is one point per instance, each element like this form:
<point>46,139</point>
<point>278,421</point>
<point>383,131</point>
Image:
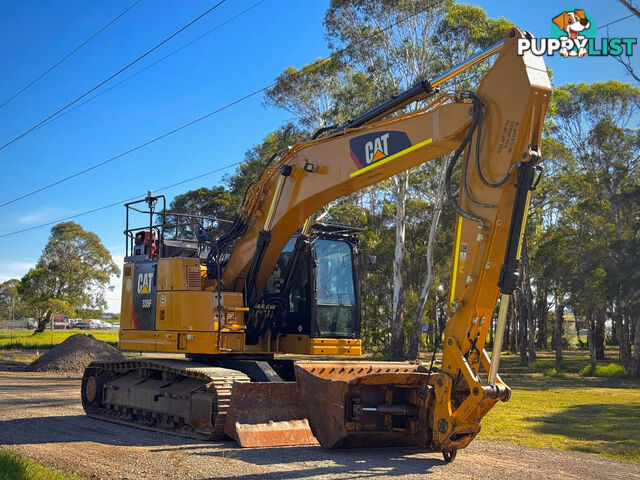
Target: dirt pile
<point>74,354</point>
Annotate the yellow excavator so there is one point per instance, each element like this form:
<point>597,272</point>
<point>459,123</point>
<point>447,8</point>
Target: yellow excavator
<point>277,282</point>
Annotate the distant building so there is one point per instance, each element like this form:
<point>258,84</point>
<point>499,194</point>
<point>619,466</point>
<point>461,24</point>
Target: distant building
<point>569,324</point>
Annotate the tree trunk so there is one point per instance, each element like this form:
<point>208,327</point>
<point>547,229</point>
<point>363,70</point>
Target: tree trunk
<point>532,336</point>
<point>616,316</point>
<point>624,348</point>
<point>43,322</point>
<point>401,182</point>
<point>545,322</point>
<point>513,342</point>
<point>526,304</point>
<point>542,312</point>
<point>591,328</point>
<point>557,333</point>
<point>507,334</point>
<point>599,335</point>
<point>433,229</point>
<point>634,363</point>
<point>442,323</point>
<point>522,333</point>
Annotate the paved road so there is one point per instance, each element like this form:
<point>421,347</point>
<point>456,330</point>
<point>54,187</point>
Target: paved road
<point>41,416</point>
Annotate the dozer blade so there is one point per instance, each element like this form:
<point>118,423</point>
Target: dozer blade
<point>374,404</point>
<point>268,414</point>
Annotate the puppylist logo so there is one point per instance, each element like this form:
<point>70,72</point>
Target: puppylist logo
<point>573,34</point>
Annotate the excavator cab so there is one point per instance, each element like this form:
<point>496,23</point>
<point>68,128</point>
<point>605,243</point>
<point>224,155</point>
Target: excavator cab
<point>324,299</point>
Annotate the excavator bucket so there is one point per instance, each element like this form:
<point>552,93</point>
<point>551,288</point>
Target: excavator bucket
<point>269,414</point>
<point>374,404</point>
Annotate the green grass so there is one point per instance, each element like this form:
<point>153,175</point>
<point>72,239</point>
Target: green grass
<point>614,370</point>
<point>563,409</point>
<point>14,466</point>
<point>30,340</point>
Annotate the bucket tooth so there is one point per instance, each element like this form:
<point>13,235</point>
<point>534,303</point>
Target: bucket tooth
<point>353,405</point>
<point>268,414</point>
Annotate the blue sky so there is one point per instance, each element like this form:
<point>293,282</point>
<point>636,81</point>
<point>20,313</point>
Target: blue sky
<point>238,58</point>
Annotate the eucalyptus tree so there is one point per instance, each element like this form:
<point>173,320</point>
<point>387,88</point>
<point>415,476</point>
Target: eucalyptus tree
<point>73,272</point>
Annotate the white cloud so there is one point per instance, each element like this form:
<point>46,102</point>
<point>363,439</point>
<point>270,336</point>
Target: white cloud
<point>38,215</point>
<point>11,270</point>
<point>113,297</point>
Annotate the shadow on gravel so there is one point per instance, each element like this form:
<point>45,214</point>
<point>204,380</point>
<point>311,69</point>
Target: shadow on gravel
<point>357,463</point>
<point>36,403</point>
<point>11,366</point>
<point>80,428</point>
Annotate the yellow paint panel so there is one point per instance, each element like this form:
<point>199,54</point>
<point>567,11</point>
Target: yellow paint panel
<point>336,346</point>
<point>178,273</point>
<point>294,344</point>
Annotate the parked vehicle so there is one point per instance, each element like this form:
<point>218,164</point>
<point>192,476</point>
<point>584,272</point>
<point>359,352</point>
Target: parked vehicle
<point>82,325</point>
<point>98,324</point>
<point>60,322</point>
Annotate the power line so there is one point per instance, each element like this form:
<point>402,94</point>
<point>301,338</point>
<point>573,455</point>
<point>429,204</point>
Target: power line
<point>120,202</point>
<point>131,150</point>
<point>154,63</point>
<point>615,21</point>
<point>338,52</point>
<point>214,112</point>
<point>114,75</point>
<point>69,54</point>
<point>199,38</point>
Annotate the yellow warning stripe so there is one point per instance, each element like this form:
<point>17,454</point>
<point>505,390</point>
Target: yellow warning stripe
<point>456,254</point>
<point>391,157</point>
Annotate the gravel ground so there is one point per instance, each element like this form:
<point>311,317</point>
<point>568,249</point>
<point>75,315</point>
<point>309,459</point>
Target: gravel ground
<point>41,416</point>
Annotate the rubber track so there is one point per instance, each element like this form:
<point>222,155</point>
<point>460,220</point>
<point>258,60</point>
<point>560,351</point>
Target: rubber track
<point>220,379</point>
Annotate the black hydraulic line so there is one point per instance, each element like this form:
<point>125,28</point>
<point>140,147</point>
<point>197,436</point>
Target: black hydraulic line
<point>456,156</point>
<point>262,242</point>
<point>220,244</point>
<point>509,272</point>
<point>264,237</point>
<point>302,243</point>
<point>321,131</point>
<point>465,184</point>
<point>420,90</point>
<point>480,175</point>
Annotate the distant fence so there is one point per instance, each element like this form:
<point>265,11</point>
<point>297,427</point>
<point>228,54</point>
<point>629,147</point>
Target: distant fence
<point>15,324</point>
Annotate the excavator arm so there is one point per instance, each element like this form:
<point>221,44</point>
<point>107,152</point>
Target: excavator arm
<point>494,134</point>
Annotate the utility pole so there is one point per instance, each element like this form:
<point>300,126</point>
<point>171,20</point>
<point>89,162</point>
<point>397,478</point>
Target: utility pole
<point>13,307</point>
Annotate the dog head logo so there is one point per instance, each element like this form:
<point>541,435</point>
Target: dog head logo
<point>573,34</point>
<point>576,26</point>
